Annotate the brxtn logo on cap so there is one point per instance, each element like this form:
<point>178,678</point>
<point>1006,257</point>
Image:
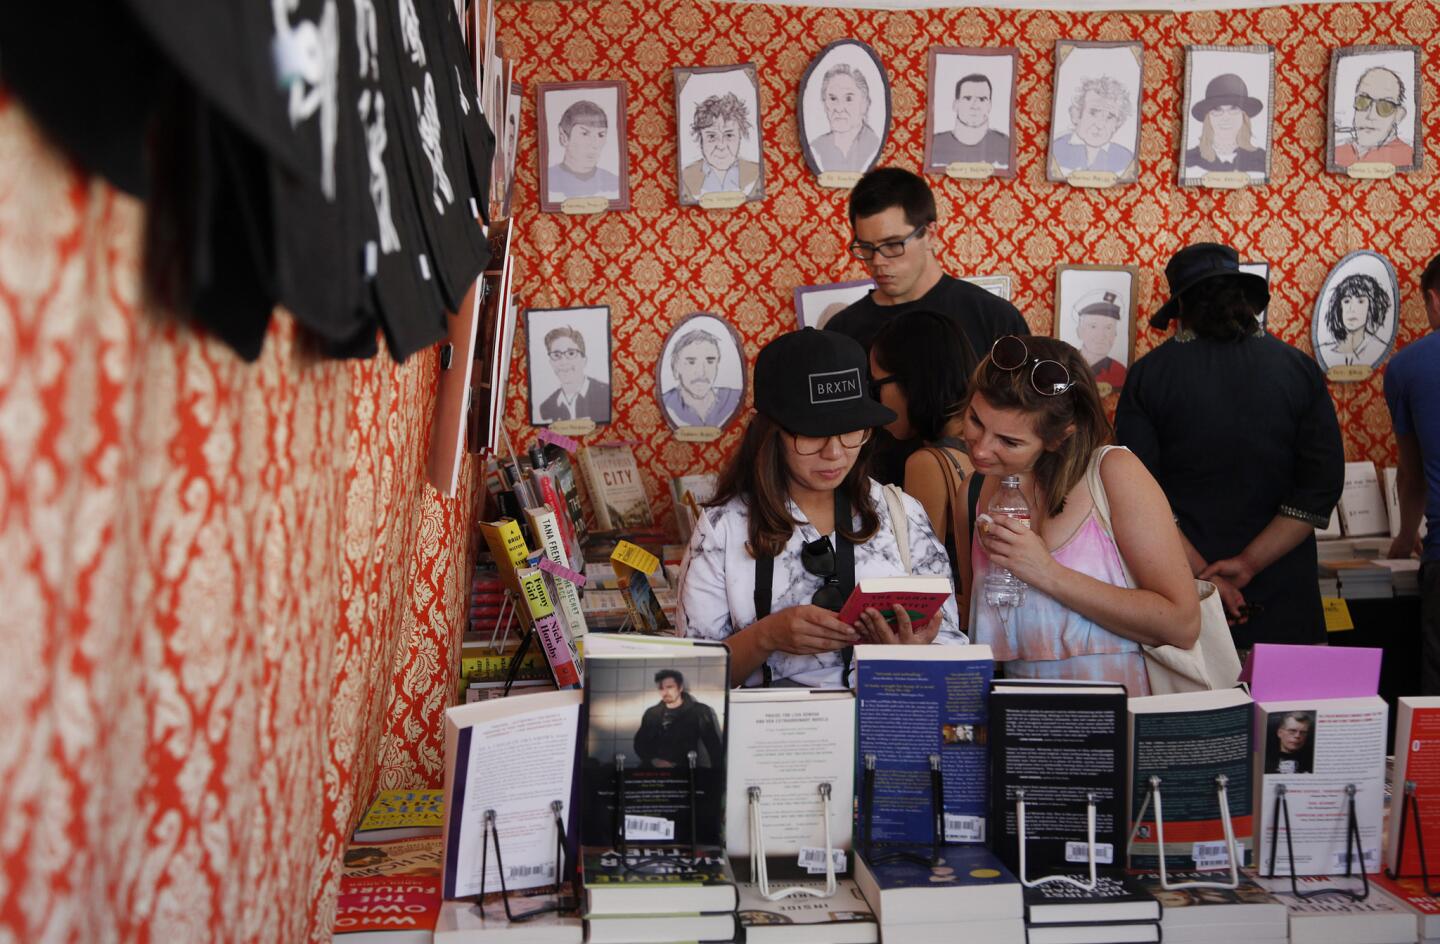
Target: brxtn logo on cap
<point>834,386</point>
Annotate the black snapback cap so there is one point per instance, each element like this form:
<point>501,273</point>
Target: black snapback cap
<point>817,383</point>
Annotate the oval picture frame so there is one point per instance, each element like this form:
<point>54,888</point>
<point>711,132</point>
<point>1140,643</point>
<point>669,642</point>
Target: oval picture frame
<point>1371,354</point>
<point>814,77</point>
<point>667,380</point>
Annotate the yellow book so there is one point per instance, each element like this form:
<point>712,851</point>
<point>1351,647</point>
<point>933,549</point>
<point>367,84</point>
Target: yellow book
<point>507,546</point>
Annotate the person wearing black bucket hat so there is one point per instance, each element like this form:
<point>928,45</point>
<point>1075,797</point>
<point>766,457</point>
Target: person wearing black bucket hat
<point>1227,141</point>
<point>1251,533</point>
<point>796,521</point>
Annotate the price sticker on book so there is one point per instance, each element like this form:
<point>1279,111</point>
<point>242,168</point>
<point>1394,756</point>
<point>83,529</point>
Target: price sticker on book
<point>1080,852</point>
<point>649,827</point>
<point>1346,860</point>
<point>964,828</point>
<point>1209,856</point>
<point>812,859</point>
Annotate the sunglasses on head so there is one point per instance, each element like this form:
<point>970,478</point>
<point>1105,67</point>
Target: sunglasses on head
<point>1049,378</point>
<point>818,558</point>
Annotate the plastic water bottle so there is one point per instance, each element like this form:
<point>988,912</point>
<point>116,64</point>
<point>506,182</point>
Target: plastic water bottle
<point>1002,588</point>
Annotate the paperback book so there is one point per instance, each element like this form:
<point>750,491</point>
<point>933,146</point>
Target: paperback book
<point>549,628</point>
<point>912,703</point>
<point>1411,892</point>
<point>654,746</point>
<point>1417,769</point>
<point>1191,915</point>
<point>966,880</point>
<point>787,742</point>
<point>616,490</point>
<point>842,918</point>
<point>1116,898</point>
<point>919,596</point>
<point>1317,749</point>
<point>1332,919</point>
<point>1060,743</point>
<point>396,909</point>
<point>402,814</point>
<point>543,524</point>
<point>1189,740</point>
<point>657,880</point>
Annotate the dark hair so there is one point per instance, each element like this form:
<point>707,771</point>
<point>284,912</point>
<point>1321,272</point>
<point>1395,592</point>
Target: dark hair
<point>886,187</point>
<point>757,474</point>
<point>1430,279</point>
<point>583,112</point>
<point>1219,309</point>
<point>931,360</point>
<point>664,674</point>
<point>1059,470</point>
<point>565,331</point>
<point>1358,285</point>
<point>974,77</point>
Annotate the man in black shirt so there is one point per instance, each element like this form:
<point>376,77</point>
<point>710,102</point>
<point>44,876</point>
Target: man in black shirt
<point>677,725</point>
<point>892,216</point>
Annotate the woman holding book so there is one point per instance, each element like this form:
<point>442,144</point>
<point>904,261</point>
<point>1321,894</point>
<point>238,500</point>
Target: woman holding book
<point>920,367</point>
<point>1099,586</point>
<point>796,522</point>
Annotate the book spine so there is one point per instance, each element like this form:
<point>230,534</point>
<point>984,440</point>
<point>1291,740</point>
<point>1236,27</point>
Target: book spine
<point>552,497</point>
<point>547,531</point>
<point>507,546</point>
<point>593,486</point>
<point>559,650</point>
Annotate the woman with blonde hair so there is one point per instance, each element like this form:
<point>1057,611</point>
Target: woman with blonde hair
<point>1226,137</point>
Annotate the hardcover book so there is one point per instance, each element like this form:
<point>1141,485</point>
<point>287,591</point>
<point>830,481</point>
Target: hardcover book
<point>1059,742</point>
<point>543,524</point>
<point>1116,897</point>
<point>913,702</point>
<point>967,880</point>
<point>1190,915</point>
<point>1187,740</point>
<point>657,880</point>
<point>1317,749</point>
<point>843,918</point>
<point>396,909</point>
<point>1417,762</point>
<point>920,596</point>
<point>787,742</point>
<point>654,705</point>
<point>616,490</point>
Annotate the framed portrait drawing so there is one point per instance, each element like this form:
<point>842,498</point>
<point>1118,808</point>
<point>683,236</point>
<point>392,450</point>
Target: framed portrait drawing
<point>719,160</point>
<point>584,163</point>
<point>568,361</point>
<point>815,305</point>
<point>1261,269</point>
<point>970,111</point>
<point>1355,316</point>
<point>1095,113</point>
<point>1375,105</point>
<point>512,143</point>
<point>844,112</point>
<point>1095,311</point>
<point>997,285</point>
<point>1228,116</point>
<point>700,378</point>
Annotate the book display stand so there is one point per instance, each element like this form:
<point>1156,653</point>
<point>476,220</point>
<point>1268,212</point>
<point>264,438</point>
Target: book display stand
<point>1352,846</point>
<point>1410,806</point>
<point>758,869</point>
<point>561,905</point>
<point>937,818</point>
<point>1222,796</point>
<point>1090,800</point>
<point>618,837</point>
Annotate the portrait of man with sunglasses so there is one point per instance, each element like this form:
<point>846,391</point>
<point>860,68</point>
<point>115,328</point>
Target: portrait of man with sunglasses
<point>796,522</point>
<point>893,219</point>
<point>1374,131</point>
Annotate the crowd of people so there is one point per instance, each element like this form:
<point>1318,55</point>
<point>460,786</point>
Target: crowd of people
<point>877,444</point>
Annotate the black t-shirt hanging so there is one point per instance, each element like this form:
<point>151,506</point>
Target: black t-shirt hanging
<point>410,58</point>
<point>479,135</point>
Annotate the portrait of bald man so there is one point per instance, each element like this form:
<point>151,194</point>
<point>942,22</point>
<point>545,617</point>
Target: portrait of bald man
<point>1374,114</point>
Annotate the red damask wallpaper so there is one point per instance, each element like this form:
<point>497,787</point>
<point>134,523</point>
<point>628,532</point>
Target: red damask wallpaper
<point>658,262</point>
<point>231,601</point>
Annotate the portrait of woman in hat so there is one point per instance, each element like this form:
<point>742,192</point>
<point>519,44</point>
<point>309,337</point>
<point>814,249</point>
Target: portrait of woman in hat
<point>1228,109</point>
<point>1247,495</point>
<point>796,521</point>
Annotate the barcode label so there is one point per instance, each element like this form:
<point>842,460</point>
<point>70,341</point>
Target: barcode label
<point>964,828</point>
<point>649,827</point>
<point>1372,858</point>
<point>812,859</point>
<point>1212,865</point>
<point>1217,854</point>
<point>1080,852</point>
<point>527,871</point>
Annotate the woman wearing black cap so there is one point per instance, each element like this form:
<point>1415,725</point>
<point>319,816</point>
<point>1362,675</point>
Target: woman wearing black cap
<point>1240,431</point>
<point>796,521</point>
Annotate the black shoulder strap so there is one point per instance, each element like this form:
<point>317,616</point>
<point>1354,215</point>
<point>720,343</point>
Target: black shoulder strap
<point>764,585</point>
<point>976,481</point>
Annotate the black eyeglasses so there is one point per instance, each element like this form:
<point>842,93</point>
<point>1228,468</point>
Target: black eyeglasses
<point>818,558</point>
<point>811,445</point>
<point>890,249</point>
<point>1049,378</point>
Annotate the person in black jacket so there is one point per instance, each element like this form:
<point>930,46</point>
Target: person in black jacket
<point>1239,430</point>
<point>677,725</point>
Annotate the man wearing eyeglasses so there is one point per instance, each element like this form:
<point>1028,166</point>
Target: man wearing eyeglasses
<point>892,216</point>
<point>1379,109</point>
<point>580,396</point>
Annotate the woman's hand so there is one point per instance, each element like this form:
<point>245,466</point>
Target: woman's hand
<point>876,629</point>
<point>1231,597</point>
<point>806,630</point>
<point>1236,570</point>
<point>1013,545</point>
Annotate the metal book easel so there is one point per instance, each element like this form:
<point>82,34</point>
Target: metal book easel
<point>759,869</point>
<point>618,829</point>
<point>867,818</point>
<point>561,905</point>
<point>1231,847</point>
<point>1352,846</point>
<point>1090,803</point>
<point>1410,806</point>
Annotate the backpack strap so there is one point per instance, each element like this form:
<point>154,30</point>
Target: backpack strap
<point>899,524</point>
<point>977,481</point>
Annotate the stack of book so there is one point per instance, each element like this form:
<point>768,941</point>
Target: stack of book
<point>1359,579</point>
<point>1404,575</point>
<point>842,918</point>
<point>389,892</point>
<point>1378,918</point>
<point>663,894</point>
<point>923,904</point>
<point>1411,893</point>
<point>1247,914</point>
<point>1116,911</point>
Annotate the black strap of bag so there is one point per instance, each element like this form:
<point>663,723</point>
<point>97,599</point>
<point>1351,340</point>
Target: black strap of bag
<point>976,482</point>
